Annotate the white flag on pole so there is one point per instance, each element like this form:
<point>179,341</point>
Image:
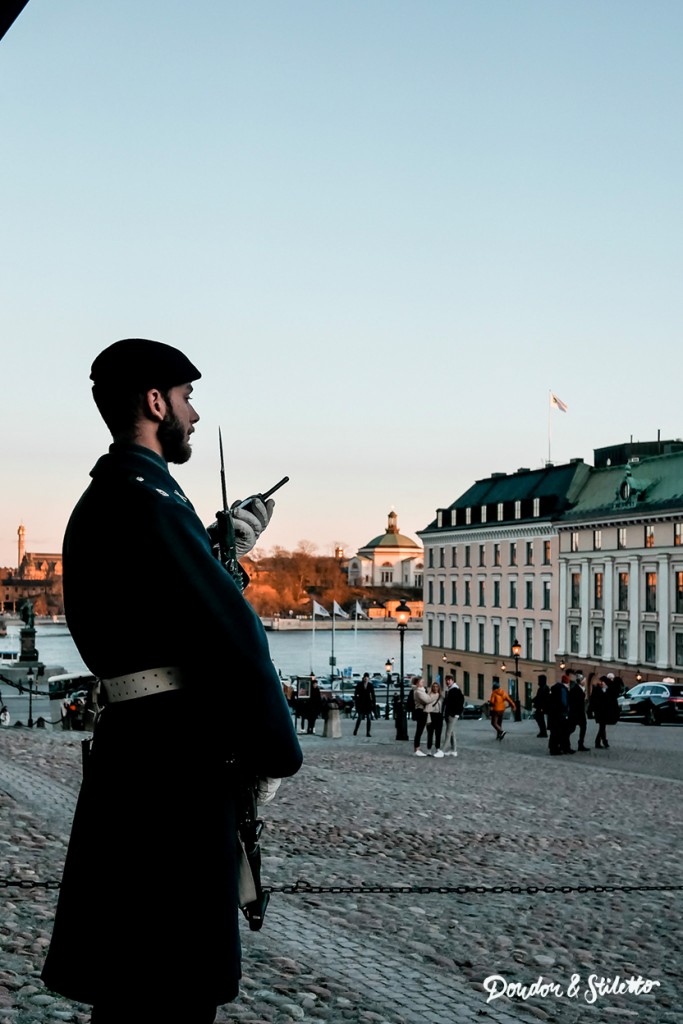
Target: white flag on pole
<point>557,403</point>
<point>359,613</point>
<point>339,611</point>
<point>319,610</point>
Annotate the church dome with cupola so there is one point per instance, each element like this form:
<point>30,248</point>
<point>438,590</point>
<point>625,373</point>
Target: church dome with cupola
<point>390,559</point>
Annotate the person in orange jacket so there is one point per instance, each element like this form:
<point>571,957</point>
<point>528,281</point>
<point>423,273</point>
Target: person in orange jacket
<point>497,701</point>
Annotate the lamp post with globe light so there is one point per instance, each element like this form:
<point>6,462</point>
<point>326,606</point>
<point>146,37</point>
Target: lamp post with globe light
<point>402,616</point>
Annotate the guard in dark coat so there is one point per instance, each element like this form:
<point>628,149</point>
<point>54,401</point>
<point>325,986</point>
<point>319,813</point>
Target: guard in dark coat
<point>147,921</point>
<point>365,700</point>
<point>558,718</point>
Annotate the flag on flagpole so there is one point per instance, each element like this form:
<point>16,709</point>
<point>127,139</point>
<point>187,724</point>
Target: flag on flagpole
<point>557,403</point>
<point>359,613</point>
<point>319,610</point>
<point>336,610</point>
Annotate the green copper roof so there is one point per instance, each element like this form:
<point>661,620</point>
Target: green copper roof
<point>648,486</point>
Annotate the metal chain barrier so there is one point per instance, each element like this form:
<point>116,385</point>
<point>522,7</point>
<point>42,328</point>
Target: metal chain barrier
<point>303,888</point>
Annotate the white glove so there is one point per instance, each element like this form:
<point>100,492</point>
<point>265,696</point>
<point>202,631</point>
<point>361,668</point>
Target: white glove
<point>267,788</point>
<point>250,523</point>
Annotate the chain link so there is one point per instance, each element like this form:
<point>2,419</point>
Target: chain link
<point>304,888</point>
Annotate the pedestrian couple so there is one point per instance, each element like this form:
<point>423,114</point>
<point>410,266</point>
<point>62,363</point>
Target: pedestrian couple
<point>433,709</point>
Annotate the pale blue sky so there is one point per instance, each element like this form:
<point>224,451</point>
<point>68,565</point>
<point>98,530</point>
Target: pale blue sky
<point>383,230</point>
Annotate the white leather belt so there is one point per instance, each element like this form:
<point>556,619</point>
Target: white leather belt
<point>140,684</point>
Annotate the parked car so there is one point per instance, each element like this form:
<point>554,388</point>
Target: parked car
<point>475,711</point>
<point>653,702</point>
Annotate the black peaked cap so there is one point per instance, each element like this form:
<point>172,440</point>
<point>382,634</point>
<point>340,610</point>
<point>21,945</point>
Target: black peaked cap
<point>139,363</point>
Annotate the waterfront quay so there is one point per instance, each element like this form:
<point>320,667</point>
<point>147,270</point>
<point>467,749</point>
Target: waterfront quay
<point>368,812</point>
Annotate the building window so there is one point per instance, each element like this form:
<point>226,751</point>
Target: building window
<point>442,592</point>
<point>651,592</point>
<point>678,601</point>
<point>575,540</point>
<point>546,644</point>
<point>650,646</point>
<point>454,635</point>
<point>537,507</point>
<point>442,557</point>
<point>467,555</point>
<point>482,554</point>
<point>496,554</point>
<point>480,637</point>
<point>576,590</point>
<point>622,644</point>
<point>430,632</point>
<point>454,517</point>
<point>621,538</point>
<point>454,591</point>
<point>466,683</point>
<point>430,558</point>
<point>441,632</point>
<point>529,552</point>
<point>513,553</point>
<point>597,591</point>
<point>387,576</point>
<point>649,536</point>
<point>468,516</point>
<point>546,552</point>
<point>678,534</point>
<point>480,686</point>
<point>468,592</point>
<point>483,513</point>
<point>518,510</point>
<point>500,512</point>
<point>528,594</point>
<point>597,641</point>
<point>574,638</point>
<point>678,648</point>
<point>529,643</point>
<point>496,593</point>
<point>512,603</point>
<point>622,594</point>
<point>597,540</point>
<point>439,517</point>
<point>430,592</point>
<point>454,557</point>
<point>496,638</point>
<point>466,639</point>
<point>482,594</point>
<point>546,596</point>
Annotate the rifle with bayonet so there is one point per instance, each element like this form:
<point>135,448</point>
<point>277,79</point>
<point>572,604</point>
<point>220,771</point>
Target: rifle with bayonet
<point>249,825</point>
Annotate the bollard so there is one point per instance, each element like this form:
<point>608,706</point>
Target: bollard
<point>332,730</point>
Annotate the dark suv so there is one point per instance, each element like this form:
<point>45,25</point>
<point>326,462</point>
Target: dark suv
<point>653,702</point>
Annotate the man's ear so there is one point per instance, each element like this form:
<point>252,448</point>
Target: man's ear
<point>154,405</point>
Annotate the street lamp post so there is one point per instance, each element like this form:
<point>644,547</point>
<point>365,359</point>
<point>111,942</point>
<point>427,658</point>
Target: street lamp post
<point>403,615</point>
<point>516,651</point>
<point>388,667</point>
<point>29,677</point>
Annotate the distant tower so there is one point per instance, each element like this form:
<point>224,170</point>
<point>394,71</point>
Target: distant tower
<point>392,522</point>
<point>21,533</point>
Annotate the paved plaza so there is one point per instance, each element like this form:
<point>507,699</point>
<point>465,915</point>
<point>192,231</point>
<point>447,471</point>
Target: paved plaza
<point>366,811</point>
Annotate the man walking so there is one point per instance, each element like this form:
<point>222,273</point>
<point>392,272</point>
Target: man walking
<point>366,703</point>
<point>454,702</point>
<point>540,705</point>
<point>497,701</point>
<point>155,823</point>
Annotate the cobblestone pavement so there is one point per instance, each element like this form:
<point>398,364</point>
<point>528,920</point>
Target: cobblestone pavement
<point>366,811</point>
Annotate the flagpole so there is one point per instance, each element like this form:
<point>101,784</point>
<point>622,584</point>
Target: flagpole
<point>550,407</point>
<point>334,616</point>
<point>313,637</point>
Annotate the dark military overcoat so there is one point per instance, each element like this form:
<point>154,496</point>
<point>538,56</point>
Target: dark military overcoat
<point>148,897</point>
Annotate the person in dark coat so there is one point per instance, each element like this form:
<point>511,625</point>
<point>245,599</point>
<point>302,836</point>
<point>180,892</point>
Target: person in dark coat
<point>577,709</point>
<point>558,717</point>
<point>146,927</point>
<point>365,700</point>
<point>540,705</point>
<point>604,706</point>
<point>314,705</point>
